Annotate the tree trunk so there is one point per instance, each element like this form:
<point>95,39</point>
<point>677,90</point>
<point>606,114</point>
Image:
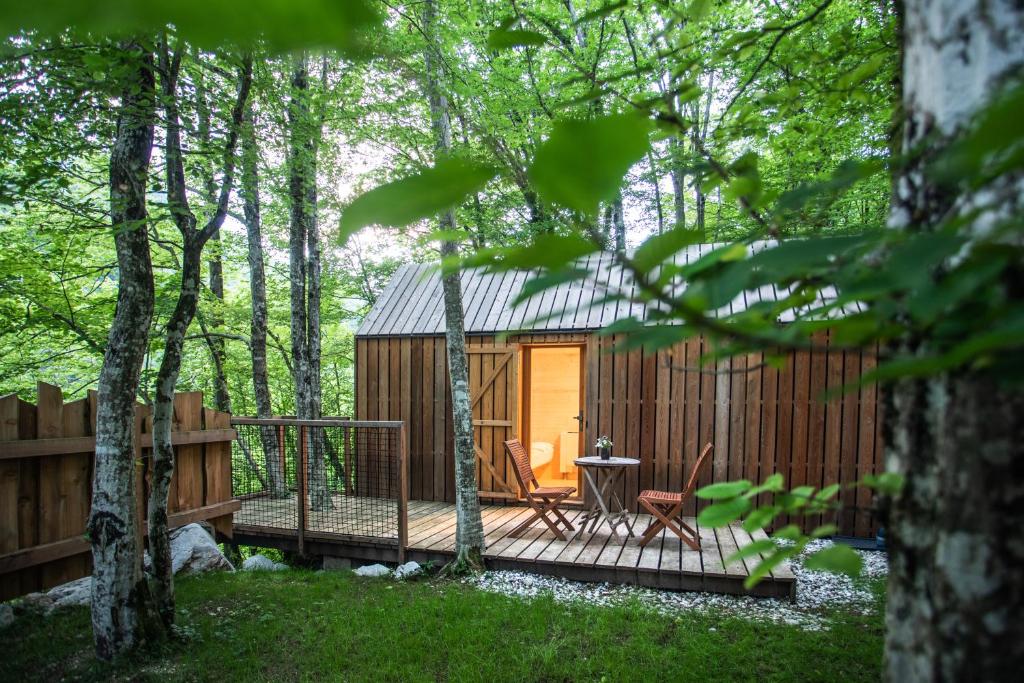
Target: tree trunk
<point>956,589</point>
<point>215,263</point>
<point>120,597</point>
<point>304,284</point>
<point>162,585</point>
<point>469,531</point>
<point>250,191</point>
<point>218,352</point>
<point>619,224</point>
<point>193,241</point>
<point>678,183</point>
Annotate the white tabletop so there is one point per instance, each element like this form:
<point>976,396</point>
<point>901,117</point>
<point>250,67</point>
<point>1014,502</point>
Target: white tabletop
<point>598,461</point>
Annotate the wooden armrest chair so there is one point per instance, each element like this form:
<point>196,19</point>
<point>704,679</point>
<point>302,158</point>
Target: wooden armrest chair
<point>543,500</point>
<point>667,506</point>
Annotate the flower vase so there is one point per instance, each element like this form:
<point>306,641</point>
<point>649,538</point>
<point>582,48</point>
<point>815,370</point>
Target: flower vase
<point>605,452</point>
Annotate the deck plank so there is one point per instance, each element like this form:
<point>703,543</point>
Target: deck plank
<point>665,562</point>
<point>710,555</point>
<point>727,546</point>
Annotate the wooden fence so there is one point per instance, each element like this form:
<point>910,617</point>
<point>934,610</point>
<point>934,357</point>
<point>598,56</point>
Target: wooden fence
<point>46,465</point>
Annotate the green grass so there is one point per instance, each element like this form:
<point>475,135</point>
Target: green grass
<point>303,626</point>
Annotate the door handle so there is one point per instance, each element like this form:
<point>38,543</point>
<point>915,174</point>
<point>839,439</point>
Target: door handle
<point>579,419</point>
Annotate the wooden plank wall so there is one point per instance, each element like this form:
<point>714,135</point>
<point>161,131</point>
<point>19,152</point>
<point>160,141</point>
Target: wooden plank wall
<point>45,499</point>
<point>660,408</point>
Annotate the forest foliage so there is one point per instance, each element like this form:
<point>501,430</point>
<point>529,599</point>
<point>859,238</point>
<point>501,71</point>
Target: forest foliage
<point>566,117</point>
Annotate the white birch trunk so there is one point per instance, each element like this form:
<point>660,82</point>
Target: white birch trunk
<point>956,588</point>
<point>120,598</point>
<point>469,533</point>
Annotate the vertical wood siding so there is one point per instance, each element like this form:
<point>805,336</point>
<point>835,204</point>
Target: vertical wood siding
<point>762,418</point>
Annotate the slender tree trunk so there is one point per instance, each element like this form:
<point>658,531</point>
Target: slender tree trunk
<point>218,352</point>
<point>956,589</point>
<point>121,615</point>
<point>656,184</point>
<point>469,531</point>
<point>162,585</point>
<point>215,263</point>
<point>250,191</point>
<point>302,196</point>
<point>678,183</point>
<point>699,134</point>
<point>193,241</point>
<point>618,224</point>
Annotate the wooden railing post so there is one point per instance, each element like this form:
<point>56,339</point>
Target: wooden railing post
<point>403,494</point>
<point>350,476</point>
<point>300,478</point>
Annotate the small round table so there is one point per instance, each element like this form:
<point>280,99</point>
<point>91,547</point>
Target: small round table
<point>604,495</point>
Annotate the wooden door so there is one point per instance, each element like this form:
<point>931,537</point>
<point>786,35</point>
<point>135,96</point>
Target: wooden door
<point>493,386</point>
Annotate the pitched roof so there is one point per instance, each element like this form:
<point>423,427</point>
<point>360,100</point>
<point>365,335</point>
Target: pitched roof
<point>412,303</point>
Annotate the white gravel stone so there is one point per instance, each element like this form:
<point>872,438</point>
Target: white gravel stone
<point>816,593</point>
<point>408,570</point>
<point>261,563</point>
<point>373,570</point>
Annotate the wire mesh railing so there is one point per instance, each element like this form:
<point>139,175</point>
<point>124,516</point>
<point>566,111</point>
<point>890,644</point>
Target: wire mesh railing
<point>325,479</point>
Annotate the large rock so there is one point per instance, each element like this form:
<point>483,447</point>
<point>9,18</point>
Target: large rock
<point>373,570</point>
<point>71,594</point>
<point>408,570</point>
<point>6,615</point>
<point>261,563</point>
<point>193,550</point>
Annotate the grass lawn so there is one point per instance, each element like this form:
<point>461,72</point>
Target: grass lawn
<point>298,625</point>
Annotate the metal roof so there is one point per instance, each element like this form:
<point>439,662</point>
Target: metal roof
<point>412,303</point>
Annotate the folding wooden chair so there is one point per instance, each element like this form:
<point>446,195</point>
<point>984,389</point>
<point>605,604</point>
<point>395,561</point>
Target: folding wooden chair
<point>666,507</point>
<point>542,499</point>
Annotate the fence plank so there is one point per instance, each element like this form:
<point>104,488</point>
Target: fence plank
<point>9,471</point>
<point>217,464</point>
<point>28,494</point>
<point>76,470</point>
<point>188,416</point>
<point>53,488</point>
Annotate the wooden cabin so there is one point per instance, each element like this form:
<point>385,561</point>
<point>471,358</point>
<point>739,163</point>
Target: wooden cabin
<point>539,372</point>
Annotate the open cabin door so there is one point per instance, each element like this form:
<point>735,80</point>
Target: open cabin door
<point>494,392</point>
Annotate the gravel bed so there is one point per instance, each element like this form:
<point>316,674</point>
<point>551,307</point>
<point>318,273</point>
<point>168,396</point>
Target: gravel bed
<point>817,592</point>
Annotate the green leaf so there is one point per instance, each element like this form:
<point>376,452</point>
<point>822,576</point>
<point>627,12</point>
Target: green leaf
<point>767,565</point>
<point>721,514</point>
<point>773,484</point>
<point>419,196</point>
<point>583,162</point>
<point>504,39</point>
<point>208,23</point>
<point>725,489</point>
<point>864,71</point>
<point>658,248</point>
<point>888,483</point>
<point>790,532</point>
<point>827,493</point>
<point>761,546</point>
<point>549,251</point>
<point>824,531</point>
<point>837,558</point>
<point>610,8</point>
<point>541,283</point>
<point>761,517</point>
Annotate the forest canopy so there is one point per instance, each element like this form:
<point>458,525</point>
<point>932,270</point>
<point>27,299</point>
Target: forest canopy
<point>799,112</point>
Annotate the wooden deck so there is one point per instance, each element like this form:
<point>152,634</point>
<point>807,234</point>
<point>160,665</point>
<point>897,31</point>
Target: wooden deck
<point>664,563</point>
